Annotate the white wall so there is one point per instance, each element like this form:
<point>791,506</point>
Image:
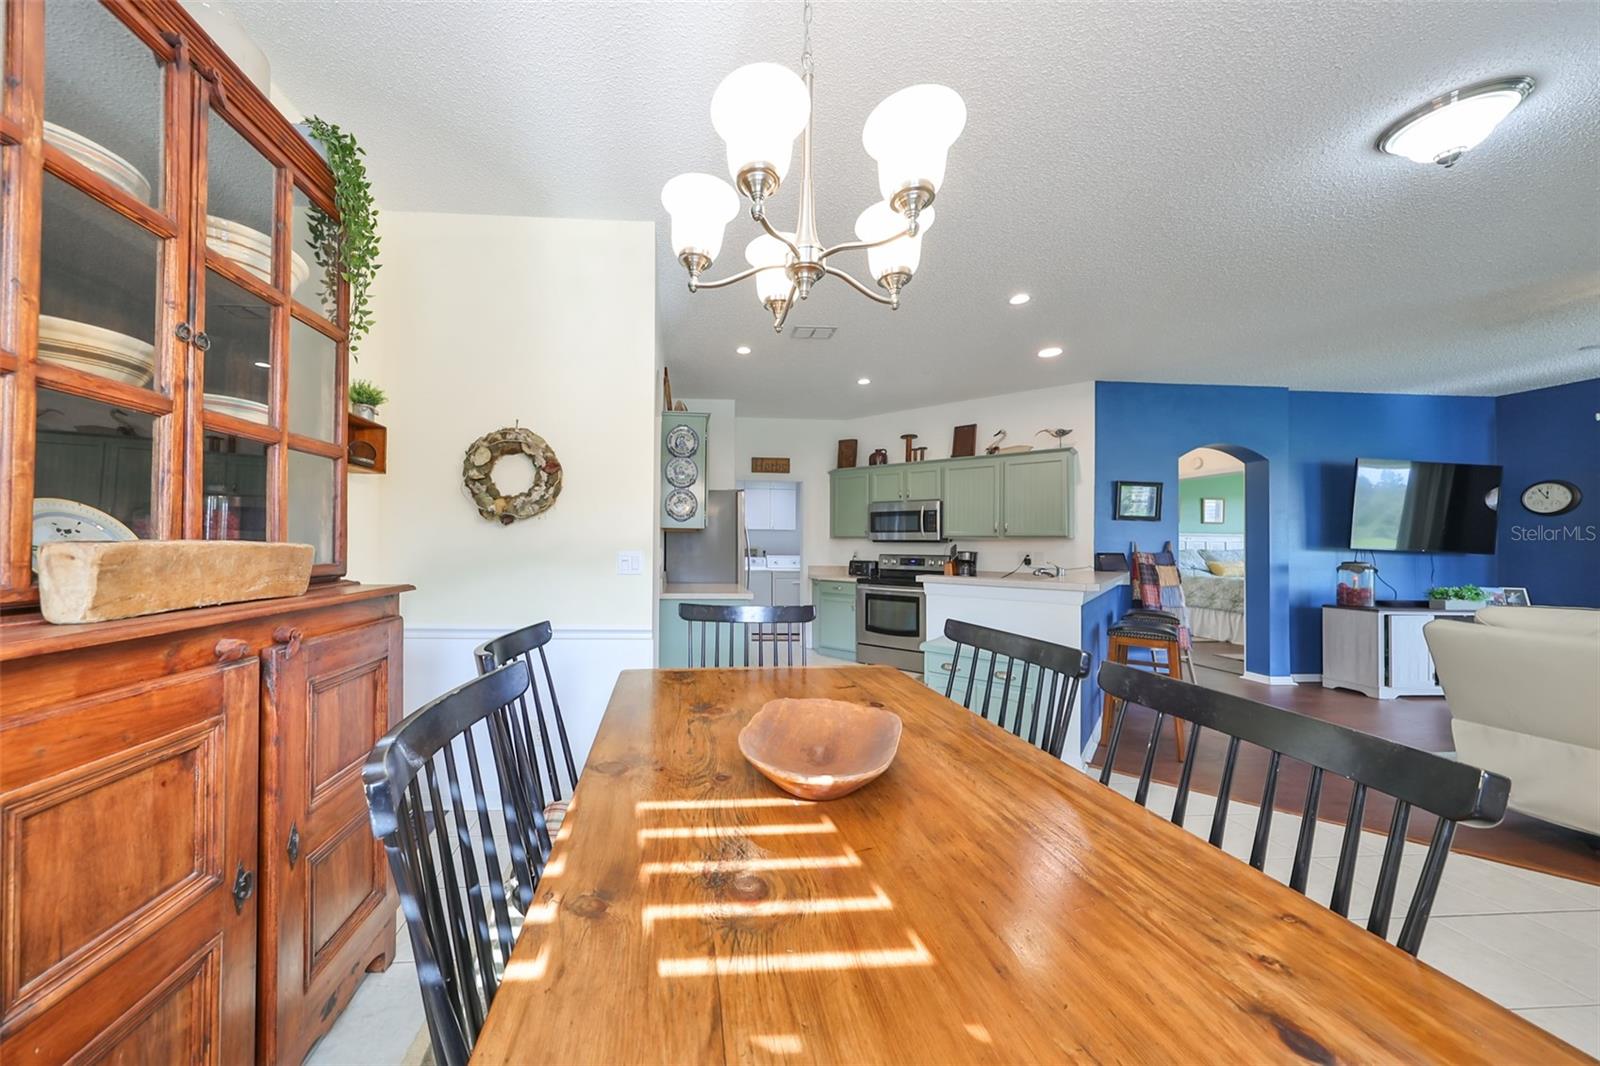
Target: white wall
<point>482,322</point>
<point>812,447</point>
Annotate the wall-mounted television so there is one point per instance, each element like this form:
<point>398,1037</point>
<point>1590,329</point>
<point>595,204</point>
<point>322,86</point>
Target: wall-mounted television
<point>1401,505</point>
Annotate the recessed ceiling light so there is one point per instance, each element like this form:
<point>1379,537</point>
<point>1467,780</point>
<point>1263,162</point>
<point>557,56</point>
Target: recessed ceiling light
<point>1049,353</point>
<point>743,349</point>
<point>1443,128</point>
<point>863,381</point>
<point>1019,299</point>
<point>264,366</point>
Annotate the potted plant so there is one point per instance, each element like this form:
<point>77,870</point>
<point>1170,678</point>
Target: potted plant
<point>366,398</point>
<point>347,248</point>
<point>1456,597</point>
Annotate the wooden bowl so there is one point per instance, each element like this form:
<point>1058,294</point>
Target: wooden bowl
<point>820,749</point>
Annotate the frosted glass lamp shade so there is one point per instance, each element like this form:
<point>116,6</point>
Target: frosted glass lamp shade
<point>910,134</point>
<point>759,110</point>
<point>767,251</point>
<point>1443,129</point>
<point>701,207</point>
<point>900,256</point>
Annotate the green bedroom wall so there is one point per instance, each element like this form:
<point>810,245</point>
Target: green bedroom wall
<point>1228,486</point>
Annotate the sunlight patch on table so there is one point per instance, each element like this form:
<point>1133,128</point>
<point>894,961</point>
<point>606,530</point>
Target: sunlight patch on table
<point>767,908</point>
<point>717,804</point>
<point>979,1033</point>
<point>710,832</point>
<point>701,867</point>
<point>790,962</point>
<point>778,1043</point>
<point>532,969</point>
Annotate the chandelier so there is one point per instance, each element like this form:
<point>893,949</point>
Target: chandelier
<point>758,110</point>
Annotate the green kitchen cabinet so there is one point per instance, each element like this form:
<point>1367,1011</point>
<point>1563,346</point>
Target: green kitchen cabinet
<point>885,484</point>
<point>834,632</point>
<point>847,498</point>
<point>972,498</point>
<point>923,482</point>
<point>672,637</point>
<point>1037,490</point>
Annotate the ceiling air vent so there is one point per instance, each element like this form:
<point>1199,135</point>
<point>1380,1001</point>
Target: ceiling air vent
<point>813,333</point>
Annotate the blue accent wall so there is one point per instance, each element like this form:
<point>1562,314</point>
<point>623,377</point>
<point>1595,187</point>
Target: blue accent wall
<point>1330,430</point>
<point>1099,615</point>
<point>1300,450</point>
<point>1551,434</point>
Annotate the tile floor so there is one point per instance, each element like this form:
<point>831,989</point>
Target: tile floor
<point>1528,941</point>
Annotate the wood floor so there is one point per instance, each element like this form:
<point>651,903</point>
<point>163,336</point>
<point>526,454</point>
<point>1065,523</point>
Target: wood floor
<point>1422,722</point>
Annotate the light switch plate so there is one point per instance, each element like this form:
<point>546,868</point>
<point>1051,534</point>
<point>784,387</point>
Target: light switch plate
<point>630,563</point>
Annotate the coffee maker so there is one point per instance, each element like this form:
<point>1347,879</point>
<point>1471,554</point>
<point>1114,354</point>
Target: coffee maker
<point>966,563</point>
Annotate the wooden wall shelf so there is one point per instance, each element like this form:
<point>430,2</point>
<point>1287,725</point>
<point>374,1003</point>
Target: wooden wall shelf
<point>363,432</point>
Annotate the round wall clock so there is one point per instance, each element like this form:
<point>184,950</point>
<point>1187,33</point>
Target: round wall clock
<point>1550,498</point>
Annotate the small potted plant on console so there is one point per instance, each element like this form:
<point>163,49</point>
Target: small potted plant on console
<point>1456,598</point>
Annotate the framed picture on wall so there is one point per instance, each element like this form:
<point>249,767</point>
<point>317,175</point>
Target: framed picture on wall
<point>1138,501</point>
<point>1212,509</point>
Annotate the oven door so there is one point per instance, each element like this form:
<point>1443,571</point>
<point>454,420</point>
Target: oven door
<point>889,616</point>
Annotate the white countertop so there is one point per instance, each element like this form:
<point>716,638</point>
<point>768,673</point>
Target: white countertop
<point>829,573</point>
<point>1084,579</point>
<point>689,590</point>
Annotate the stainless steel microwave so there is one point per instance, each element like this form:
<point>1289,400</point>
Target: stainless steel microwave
<point>906,520</point>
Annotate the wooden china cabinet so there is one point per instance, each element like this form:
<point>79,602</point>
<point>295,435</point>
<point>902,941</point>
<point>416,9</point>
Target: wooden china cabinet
<point>186,872</point>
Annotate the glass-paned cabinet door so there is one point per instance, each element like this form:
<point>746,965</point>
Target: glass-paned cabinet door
<point>312,503</point>
<point>99,288</point>
<point>240,319</point>
<point>314,262</point>
<point>93,470</point>
<point>104,98</point>
<point>235,480</point>
<point>313,381</point>
<point>238,338</point>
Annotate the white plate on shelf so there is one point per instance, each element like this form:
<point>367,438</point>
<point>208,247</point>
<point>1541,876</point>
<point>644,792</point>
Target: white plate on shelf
<point>99,351</point>
<point>251,249</point>
<point>100,159</point>
<point>55,519</point>
<point>237,406</point>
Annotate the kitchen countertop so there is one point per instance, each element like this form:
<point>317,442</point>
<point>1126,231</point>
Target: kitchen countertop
<point>1083,579</point>
<point>829,573</point>
<point>689,590</point>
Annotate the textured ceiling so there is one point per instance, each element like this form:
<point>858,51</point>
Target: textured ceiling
<point>1188,190</point>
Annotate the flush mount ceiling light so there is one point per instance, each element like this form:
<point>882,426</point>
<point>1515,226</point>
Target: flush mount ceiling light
<point>1442,129</point>
<point>743,349</point>
<point>758,111</point>
<point>1019,299</point>
<point>1049,353</point>
<point>863,381</point>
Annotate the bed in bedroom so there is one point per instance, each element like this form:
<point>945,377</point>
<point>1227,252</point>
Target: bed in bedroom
<point>1215,599</point>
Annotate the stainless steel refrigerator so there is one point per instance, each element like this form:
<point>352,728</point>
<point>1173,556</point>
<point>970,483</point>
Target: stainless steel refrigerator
<point>716,554</point>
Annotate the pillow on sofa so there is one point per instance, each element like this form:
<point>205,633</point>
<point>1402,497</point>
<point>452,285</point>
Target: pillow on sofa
<point>1226,569</point>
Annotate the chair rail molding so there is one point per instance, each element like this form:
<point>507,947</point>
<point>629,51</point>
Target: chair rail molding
<point>584,660</point>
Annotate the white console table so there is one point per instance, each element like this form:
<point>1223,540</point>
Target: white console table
<point>1380,651</point>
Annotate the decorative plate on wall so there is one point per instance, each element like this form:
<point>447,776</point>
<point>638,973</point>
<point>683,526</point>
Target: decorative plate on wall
<point>681,473</point>
<point>681,505</point>
<point>683,441</point>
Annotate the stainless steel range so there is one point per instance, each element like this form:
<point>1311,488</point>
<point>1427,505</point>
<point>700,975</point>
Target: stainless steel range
<point>891,613</point>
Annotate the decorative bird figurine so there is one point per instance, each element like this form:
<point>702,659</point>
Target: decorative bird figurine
<point>995,442</point>
<point>1059,434</point>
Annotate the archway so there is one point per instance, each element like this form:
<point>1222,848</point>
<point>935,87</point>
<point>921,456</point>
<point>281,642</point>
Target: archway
<point>1211,556</point>
<point>1249,605</point>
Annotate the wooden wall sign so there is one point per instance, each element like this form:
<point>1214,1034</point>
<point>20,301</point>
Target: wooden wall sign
<point>768,465</point>
<point>965,442</point>
<point>847,454</point>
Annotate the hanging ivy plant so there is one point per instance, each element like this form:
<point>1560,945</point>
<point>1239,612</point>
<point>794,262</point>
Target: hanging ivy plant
<point>350,245</point>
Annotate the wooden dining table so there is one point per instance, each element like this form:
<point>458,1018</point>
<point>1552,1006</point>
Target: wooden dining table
<point>979,902</point>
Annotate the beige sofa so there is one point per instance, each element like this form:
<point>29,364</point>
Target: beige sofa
<point>1524,692</point>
